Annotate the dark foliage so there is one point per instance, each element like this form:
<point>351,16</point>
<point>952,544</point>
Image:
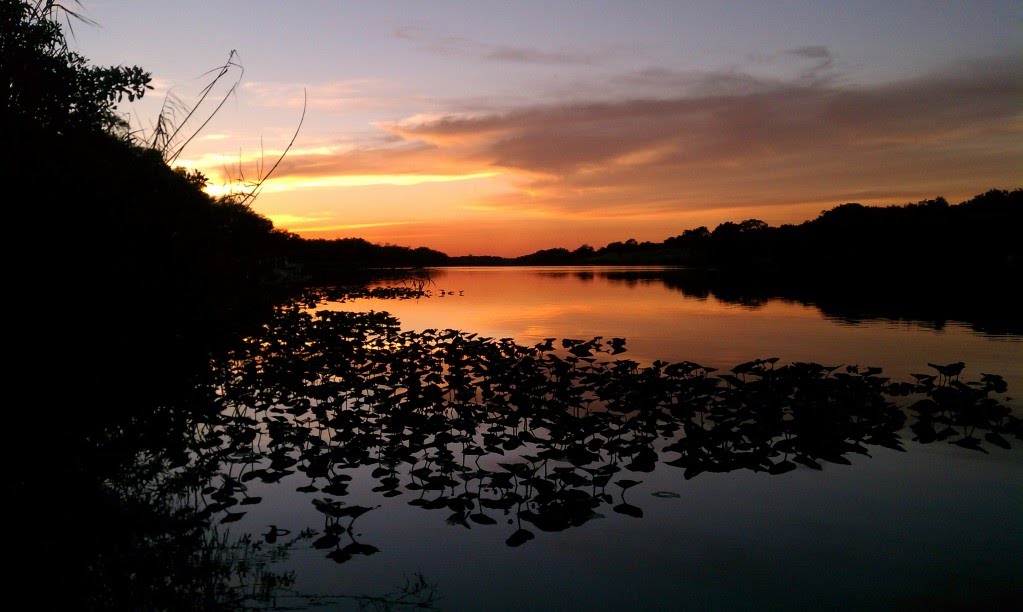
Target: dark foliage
<point>927,240</point>
<point>43,83</point>
<point>322,258</point>
<point>155,383</point>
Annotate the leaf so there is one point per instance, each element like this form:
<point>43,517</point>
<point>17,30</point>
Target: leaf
<point>354,511</point>
<point>247,476</point>
<point>808,462</point>
<point>996,439</point>
<point>970,443</point>
<point>781,467</point>
<point>329,540</point>
<point>482,519</point>
<point>231,517</point>
<point>519,538</point>
<point>356,548</point>
<point>629,510</point>
<point>458,519</point>
<point>666,495</point>
<point>336,489</point>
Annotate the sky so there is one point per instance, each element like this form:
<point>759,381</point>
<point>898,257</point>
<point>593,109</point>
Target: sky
<point>505,127</point>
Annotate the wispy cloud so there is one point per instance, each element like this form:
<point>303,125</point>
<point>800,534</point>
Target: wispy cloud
<point>288,183</point>
<point>308,224</point>
<point>821,61</point>
<point>292,221</point>
<point>490,52</point>
<point>342,95</point>
<point>523,55</point>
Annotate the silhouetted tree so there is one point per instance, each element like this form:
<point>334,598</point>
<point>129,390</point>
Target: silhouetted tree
<point>43,83</point>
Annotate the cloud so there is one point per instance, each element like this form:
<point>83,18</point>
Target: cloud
<point>821,57</point>
<point>293,221</point>
<point>489,52</point>
<point>309,226</point>
<point>291,182</point>
<point>724,141</point>
<point>402,158</point>
<point>522,55</point>
<point>816,52</point>
<point>342,95</point>
<point>743,138</point>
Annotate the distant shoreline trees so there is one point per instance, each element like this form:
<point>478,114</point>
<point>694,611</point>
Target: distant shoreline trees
<point>931,237</point>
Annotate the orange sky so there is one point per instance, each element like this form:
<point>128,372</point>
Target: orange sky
<point>537,176</point>
<point>511,127</point>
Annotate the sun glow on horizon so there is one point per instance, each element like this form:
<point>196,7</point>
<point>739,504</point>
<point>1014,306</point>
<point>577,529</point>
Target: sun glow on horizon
<point>294,224</point>
<point>295,183</point>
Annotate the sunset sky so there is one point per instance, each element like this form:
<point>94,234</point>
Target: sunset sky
<point>505,127</point>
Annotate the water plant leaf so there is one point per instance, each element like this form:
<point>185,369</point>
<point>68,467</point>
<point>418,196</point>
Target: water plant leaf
<point>996,439</point>
<point>482,519</point>
<point>231,517</point>
<point>520,537</point>
<point>808,462</point>
<point>781,467</point>
<point>970,443</point>
<point>355,548</point>
<point>329,540</point>
<point>458,518</point>
<point>338,489</point>
<point>666,494</point>
<point>339,556</point>
<point>629,510</point>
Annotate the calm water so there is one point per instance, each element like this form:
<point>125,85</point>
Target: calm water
<point>935,526</point>
<point>660,321</point>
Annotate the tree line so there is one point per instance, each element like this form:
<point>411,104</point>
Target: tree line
<point>928,239</point>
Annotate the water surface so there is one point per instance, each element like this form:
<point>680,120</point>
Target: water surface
<point>578,475</point>
<point>935,526</point>
<point>651,308</point>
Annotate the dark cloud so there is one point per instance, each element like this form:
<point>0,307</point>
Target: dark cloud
<point>765,135</point>
<point>816,52</point>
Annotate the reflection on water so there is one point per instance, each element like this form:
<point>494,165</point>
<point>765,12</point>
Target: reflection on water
<point>345,442</point>
<point>677,315</point>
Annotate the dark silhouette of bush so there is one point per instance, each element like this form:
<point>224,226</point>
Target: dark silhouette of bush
<point>326,259</point>
<point>125,273</point>
<point>43,83</point>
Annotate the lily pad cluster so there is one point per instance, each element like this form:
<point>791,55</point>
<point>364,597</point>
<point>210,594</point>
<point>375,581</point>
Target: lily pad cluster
<point>489,432</point>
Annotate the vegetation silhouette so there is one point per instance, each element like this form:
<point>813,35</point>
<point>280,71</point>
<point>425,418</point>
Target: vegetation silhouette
<point>496,435</point>
<point>930,240</point>
<point>164,377</point>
